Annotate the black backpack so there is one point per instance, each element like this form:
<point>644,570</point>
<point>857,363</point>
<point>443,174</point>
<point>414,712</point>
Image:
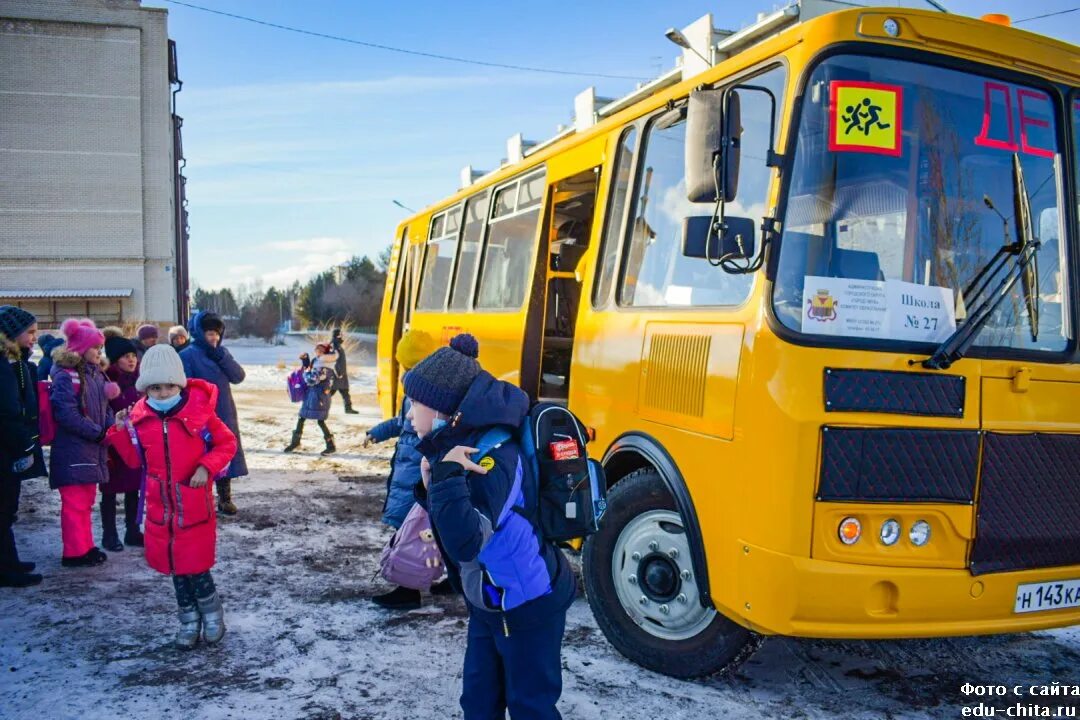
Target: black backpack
<point>572,490</point>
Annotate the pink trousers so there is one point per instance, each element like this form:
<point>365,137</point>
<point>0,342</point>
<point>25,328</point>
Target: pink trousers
<point>76,504</point>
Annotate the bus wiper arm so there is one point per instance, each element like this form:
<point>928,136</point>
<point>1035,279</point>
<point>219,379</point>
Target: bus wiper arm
<point>957,344</point>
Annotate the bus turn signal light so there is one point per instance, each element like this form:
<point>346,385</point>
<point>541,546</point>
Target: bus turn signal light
<point>850,531</point>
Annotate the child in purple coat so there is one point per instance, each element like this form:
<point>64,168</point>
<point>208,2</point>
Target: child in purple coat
<point>80,397</point>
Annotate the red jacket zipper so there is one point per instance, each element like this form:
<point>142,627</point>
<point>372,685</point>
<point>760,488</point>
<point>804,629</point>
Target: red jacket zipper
<point>167,494</point>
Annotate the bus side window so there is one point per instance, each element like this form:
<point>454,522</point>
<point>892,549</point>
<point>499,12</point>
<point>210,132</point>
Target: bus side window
<point>438,259</point>
<point>472,234</point>
<point>613,222</point>
<point>507,264</point>
<point>656,272</point>
<point>403,252</point>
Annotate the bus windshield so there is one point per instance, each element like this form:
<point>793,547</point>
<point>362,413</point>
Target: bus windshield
<point>902,191</point>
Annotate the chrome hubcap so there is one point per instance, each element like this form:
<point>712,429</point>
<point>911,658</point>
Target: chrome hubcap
<point>654,578</point>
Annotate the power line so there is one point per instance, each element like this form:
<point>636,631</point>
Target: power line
<point>404,51</point>
<point>1040,17</point>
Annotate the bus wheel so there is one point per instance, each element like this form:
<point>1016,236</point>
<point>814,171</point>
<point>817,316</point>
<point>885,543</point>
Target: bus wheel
<point>640,584</point>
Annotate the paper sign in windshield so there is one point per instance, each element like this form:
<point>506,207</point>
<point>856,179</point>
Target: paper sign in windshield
<point>865,117</point>
<point>888,310</point>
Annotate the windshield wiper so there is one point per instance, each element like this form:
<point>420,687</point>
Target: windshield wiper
<point>1026,267</point>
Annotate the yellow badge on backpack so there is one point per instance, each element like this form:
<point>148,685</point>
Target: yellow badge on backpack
<point>487,462</point>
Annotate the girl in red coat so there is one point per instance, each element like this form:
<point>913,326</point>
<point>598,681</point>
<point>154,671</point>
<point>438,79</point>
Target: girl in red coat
<point>175,431</point>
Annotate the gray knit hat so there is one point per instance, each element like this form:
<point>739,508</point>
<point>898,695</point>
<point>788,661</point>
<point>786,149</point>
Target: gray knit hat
<point>161,365</point>
<point>441,380</point>
<point>14,321</point>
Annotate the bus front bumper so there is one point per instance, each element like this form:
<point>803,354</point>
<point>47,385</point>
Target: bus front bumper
<point>801,597</point>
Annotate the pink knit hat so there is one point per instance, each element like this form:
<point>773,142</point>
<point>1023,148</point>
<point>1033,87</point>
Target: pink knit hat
<point>81,335</point>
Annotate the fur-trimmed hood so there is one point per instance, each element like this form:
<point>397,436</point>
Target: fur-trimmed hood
<point>65,358</point>
<point>10,350</point>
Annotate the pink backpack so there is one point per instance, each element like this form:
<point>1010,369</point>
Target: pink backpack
<point>411,558</point>
<point>297,386</point>
<point>46,423</point>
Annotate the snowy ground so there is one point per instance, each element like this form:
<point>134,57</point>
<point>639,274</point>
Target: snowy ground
<point>296,567</point>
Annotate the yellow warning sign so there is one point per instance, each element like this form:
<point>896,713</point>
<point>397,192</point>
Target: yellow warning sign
<point>866,117</point>
<point>487,463</point>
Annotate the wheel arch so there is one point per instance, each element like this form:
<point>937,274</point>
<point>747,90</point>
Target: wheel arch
<point>633,451</point>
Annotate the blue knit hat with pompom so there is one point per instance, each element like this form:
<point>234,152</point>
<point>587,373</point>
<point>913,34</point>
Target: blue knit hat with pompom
<point>441,380</point>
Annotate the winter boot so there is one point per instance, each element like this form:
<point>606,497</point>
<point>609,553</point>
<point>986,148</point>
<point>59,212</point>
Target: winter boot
<point>188,634</point>
<point>18,579</point>
<point>225,504</point>
<point>400,598</point>
<point>93,557</point>
<point>349,409</point>
<point>213,618</point>
<point>294,443</point>
<point>133,536</point>
<point>330,447</point>
<point>443,587</point>
<point>20,567</point>
<point>109,538</point>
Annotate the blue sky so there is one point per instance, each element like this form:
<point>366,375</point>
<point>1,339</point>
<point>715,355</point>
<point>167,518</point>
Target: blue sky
<point>297,146</point>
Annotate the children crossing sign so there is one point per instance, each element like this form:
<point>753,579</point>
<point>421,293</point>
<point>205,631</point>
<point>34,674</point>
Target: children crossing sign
<point>865,117</point>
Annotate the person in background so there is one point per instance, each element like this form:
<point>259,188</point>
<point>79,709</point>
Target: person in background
<point>78,459</point>
<point>517,585</point>
<point>414,346</point>
<point>181,528</point>
<point>20,451</point>
<point>179,337</point>
<point>124,371</point>
<point>145,338</point>
<point>318,396</point>
<point>341,369</point>
<point>207,359</point>
<point>47,343</point>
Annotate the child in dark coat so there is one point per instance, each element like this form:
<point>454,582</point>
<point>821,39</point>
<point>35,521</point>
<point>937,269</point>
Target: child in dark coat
<point>414,346</point>
<point>205,358</point>
<point>124,371</point>
<point>319,377</point>
<point>175,432</point>
<point>517,585</point>
<point>78,460</point>
<point>20,448</point>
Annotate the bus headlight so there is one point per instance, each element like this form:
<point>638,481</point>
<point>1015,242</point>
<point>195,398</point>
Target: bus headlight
<point>850,531</point>
<point>919,533</point>
<point>890,532</point>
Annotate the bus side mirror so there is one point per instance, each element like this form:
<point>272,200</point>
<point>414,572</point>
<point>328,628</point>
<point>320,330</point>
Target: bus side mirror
<point>713,139</point>
<point>734,239</point>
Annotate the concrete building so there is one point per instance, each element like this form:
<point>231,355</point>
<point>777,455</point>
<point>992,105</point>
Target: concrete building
<point>92,218</point>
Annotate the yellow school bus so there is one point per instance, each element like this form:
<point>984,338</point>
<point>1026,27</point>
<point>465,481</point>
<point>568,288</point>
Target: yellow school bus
<point>817,301</point>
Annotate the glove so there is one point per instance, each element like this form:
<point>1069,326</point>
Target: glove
<point>23,464</point>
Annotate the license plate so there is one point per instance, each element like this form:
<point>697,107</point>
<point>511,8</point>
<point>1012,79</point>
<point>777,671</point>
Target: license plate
<point>1034,597</point>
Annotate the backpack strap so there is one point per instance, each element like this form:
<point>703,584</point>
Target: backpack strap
<point>491,440</point>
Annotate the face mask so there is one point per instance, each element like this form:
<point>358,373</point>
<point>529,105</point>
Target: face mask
<point>437,424</point>
<point>163,405</point>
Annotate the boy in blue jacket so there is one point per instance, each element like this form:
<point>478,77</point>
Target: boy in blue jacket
<point>483,511</point>
<point>414,346</point>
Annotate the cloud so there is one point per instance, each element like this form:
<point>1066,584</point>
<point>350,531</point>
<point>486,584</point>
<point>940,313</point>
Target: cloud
<point>311,265</point>
<point>322,245</point>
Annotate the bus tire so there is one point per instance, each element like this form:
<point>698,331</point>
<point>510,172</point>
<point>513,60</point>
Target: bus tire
<point>643,594</point>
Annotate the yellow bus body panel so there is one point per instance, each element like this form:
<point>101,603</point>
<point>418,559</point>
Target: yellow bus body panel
<point>751,456</point>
